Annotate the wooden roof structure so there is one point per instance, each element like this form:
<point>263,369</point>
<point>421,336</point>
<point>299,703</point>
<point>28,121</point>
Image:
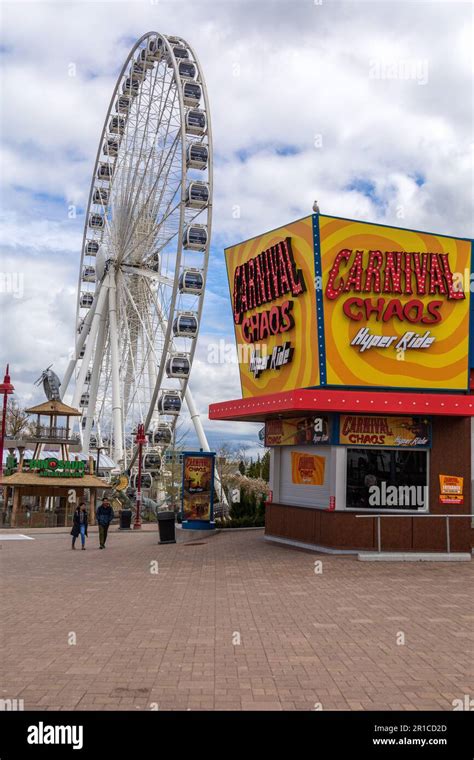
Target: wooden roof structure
<point>54,407</point>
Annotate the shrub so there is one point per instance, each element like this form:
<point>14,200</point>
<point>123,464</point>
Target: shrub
<point>247,521</point>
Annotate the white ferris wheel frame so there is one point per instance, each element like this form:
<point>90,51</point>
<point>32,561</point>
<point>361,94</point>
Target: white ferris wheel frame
<point>100,325</point>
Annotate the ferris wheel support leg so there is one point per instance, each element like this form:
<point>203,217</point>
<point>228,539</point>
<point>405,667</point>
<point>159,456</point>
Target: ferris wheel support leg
<point>94,385</point>
<point>67,376</point>
<point>152,379</point>
<point>115,364</point>
<point>196,420</point>
<point>81,378</point>
<point>152,383</point>
<point>79,345</point>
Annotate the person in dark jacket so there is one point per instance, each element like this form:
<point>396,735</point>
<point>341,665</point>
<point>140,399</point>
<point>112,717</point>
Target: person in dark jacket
<point>105,515</point>
<point>79,524</point>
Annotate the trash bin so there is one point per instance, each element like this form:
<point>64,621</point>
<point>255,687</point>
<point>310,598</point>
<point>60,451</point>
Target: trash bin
<point>125,519</point>
<point>166,527</point>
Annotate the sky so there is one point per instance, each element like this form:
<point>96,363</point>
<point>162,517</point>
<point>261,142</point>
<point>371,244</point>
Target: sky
<point>366,106</point>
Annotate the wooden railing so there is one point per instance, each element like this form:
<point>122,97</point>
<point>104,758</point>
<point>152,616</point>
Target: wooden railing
<point>53,433</point>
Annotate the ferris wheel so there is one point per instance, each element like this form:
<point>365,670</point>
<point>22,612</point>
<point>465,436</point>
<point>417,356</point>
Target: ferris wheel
<point>145,252</point>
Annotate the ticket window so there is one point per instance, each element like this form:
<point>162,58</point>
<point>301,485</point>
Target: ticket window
<point>389,479</point>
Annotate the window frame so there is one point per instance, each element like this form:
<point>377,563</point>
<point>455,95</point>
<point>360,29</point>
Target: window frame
<point>380,509</point>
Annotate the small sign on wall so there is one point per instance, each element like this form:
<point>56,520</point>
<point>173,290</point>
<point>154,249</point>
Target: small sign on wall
<point>307,469</point>
<point>295,431</point>
<point>451,489</point>
<point>382,430</point>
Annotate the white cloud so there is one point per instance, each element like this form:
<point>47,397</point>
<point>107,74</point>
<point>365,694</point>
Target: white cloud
<point>281,76</point>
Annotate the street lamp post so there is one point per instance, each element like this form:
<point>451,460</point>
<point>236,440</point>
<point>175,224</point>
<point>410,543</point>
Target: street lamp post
<point>139,440</point>
<point>97,460</point>
<point>6,388</point>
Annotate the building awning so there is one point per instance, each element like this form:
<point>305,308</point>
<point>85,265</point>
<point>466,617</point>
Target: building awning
<point>293,403</point>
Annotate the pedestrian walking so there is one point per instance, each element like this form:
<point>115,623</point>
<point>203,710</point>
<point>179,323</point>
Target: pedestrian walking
<point>79,524</point>
<point>105,515</point>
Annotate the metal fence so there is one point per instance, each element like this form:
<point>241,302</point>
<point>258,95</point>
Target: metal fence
<point>426,514</point>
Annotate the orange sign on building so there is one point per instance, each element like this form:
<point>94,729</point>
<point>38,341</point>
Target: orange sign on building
<point>360,430</point>
<point>334,302</point>
<point>307,469</point>
<point>271,280</point>
<point>451,489</point>
<point>396,306</point>
<point>294,431</point>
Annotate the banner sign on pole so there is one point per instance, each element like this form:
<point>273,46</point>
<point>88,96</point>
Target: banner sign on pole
<point>197,501</point>
<point>451,489</point>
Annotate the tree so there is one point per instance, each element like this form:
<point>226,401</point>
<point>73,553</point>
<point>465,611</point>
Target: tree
<point>265,469</point>
<point>18,421</point>
<point>256,468</point>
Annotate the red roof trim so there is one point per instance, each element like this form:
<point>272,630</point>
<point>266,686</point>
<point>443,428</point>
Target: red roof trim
<point>324,400</point>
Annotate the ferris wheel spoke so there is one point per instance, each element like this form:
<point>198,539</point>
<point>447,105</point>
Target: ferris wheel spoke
<point>104,385</point>
<point>139,315</point>
<point>95,377</point>
<point>153,234</point>
<point>167,241</point>
<point>140,373</point>
<point>130,366</point>
<point>115,370</point>
<point>160,179</point>
<point>128,191</point>
<point>135,132</point>
<point>129,269</point>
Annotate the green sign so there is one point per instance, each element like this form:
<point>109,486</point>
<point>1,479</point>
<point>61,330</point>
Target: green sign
<point>58,468</point>
<point>11,465</point>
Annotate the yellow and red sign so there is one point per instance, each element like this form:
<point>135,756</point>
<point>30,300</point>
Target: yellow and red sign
<point>372,430</point>
<point>197,486</point>
<point>307,469</point>
<point>335,302</point>
<point>396,306</point>
<point>451,489</point>
<point>295,431</point>
<point>271,279</point>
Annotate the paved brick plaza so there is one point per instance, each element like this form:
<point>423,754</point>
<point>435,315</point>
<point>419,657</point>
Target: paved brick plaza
<point>167,638</point>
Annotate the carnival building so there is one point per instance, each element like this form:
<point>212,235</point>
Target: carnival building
<point>359,362</point>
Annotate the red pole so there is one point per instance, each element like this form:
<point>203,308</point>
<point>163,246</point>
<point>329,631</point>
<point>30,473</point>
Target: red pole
<point>140,439</point>
<point>4,419</point>
<point>6,388</point>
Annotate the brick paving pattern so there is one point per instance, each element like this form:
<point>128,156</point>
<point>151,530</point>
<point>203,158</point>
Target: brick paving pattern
<point>168,641</point>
